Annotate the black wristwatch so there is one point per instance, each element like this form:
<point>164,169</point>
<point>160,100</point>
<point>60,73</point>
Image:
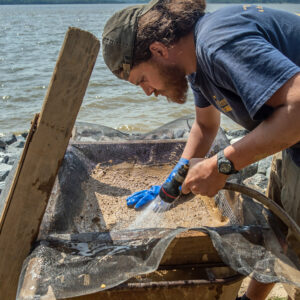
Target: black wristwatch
<point>225,166</point>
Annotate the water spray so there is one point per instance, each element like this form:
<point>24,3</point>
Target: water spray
<point>169,192</point>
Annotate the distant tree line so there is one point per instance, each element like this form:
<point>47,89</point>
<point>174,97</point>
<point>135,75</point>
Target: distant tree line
<point>132,1</point>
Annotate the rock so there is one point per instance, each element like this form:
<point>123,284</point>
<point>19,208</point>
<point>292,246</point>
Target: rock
<point>179,133</point>
<point>172,129</point>
<point>4,159</point>
<point>152,137</point>
<point>2,184</point>
<point>9,139</point>
<point>24,135</point>
<point>135,136</point>
<point>12,158</point>
<point>165,137</point>
<point>4,171</point>
<point>220,142</point>
<point>20,144</point>
<point>249,170</point>
<point>2,144</point>
<point>258,182</point>
<point>236,133</point>
<point>163,133</point>
<point>20,138</point>
<point>264,164</point>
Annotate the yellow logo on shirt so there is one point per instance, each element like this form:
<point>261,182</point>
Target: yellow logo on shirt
<point>246,6</point>
<point>258,7</point>
<point>223,104</point>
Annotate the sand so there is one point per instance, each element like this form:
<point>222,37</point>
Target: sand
<point>109,186</point>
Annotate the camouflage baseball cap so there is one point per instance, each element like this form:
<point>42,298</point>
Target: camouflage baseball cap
<point>119,37</point>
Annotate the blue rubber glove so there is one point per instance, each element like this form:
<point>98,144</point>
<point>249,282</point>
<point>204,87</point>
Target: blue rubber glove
<point>138,199</point>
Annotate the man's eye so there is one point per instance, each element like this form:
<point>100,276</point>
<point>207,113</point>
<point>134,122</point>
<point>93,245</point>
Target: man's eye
<point>142,80</point>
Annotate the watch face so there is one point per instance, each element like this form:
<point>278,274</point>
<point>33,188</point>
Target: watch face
<point>225,167</point>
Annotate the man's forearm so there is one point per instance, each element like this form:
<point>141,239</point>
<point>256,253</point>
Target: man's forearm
<point>199,141</point>
<point>280,131</point>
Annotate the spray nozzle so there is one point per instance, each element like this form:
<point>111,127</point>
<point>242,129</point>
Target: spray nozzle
<point>170,191</point>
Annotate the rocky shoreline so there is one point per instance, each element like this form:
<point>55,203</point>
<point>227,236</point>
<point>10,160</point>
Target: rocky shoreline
<point>11,146</point>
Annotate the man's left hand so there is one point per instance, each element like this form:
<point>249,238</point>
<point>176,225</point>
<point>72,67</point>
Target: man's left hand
<point>203,178</point>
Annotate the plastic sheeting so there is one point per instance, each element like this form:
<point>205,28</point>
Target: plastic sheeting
<point>67,261</point>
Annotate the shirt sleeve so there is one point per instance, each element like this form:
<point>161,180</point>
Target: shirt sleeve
<point>199,99</point>
<point>252,68</point>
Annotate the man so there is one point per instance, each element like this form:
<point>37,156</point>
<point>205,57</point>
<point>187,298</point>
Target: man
<point>241,60</point>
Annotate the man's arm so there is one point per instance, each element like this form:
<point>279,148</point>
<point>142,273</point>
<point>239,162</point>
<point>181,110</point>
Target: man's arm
<point>203,132</point>
<point>280,131</point>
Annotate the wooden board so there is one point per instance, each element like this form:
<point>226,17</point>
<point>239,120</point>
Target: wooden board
<point>191,247</point>
<point>42,155</point>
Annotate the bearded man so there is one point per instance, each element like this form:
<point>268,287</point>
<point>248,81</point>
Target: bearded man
<point>240,60</point>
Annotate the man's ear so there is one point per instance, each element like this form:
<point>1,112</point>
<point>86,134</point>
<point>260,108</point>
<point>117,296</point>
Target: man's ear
<point>159,50</point>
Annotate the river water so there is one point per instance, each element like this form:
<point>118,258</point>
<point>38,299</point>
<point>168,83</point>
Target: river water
<point>30,39</point>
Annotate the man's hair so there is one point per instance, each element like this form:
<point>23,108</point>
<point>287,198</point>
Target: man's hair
<point>166,22</point>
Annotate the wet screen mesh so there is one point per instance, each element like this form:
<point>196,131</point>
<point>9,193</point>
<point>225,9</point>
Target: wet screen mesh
<point>90,241</point>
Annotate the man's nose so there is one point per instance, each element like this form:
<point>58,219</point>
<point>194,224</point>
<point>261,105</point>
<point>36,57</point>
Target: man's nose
<point>147,89</point>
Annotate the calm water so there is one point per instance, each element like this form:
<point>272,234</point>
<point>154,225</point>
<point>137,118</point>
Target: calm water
<point>30,39</point>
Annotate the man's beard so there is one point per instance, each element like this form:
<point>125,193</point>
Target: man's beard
<point>174,82</point>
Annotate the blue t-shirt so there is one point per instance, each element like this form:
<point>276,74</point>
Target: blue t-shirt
<point>245,53</point>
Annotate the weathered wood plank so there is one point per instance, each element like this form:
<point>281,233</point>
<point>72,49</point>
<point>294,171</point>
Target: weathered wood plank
<point>191,247</point>
<point>26,202</point>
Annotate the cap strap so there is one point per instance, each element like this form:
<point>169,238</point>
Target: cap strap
<point>126,70</point>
